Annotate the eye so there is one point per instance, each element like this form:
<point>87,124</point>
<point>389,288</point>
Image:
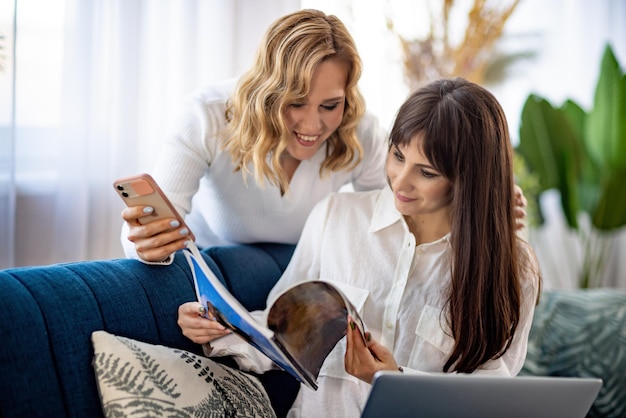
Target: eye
<point>428,174</point>
<point>398,155</point>
<point>296,105</point>
<point>332,106</point>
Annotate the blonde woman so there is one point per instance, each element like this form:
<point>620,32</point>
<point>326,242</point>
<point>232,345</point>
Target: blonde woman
<point>251,157</point>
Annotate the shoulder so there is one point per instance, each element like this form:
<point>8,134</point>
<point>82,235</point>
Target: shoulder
<point>349,198</point>
<point>204,110</point>
<point>369,128</point>
<point>348,204</point>
<point>218,92</point>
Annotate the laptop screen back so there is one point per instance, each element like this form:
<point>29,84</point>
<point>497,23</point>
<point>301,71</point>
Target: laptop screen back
<point>396,394</point>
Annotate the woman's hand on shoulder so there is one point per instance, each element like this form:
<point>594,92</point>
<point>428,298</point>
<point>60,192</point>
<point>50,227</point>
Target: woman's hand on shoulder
<point>196,326</point>
<point>363,360</point>
<point>154,241</point>
<point>520,208</point>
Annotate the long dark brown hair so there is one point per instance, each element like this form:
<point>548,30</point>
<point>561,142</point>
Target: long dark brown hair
<point>466,138</point>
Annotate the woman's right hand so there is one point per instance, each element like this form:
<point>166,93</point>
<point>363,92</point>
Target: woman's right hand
<point>154,241</point>
<point>196,327</point>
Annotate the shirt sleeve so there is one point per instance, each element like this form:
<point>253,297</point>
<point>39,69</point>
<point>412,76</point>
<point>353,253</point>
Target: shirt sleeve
<point>186,154</point>
<point>189,151</point>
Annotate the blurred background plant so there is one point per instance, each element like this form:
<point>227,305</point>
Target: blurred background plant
<point>582,154</point>
<point>476,57</point>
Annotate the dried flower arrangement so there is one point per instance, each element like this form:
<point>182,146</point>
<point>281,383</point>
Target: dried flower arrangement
<point>473,58</point>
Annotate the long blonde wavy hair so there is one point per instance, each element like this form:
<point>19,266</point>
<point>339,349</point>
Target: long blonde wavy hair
<point>291,50</point>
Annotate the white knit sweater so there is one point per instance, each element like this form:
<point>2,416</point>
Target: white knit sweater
<point>219,207</point>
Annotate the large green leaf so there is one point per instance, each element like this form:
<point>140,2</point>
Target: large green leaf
<point>605,134</point>
<point>552,147</point>
<point>568,186</point>
<point>611,210</point>
<point>582,154</point>
<point>589,179</point>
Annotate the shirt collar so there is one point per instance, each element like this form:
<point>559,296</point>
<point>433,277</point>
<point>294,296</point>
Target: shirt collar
<point>385,212</point>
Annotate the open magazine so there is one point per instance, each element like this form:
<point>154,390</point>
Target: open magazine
<point>303,325</point>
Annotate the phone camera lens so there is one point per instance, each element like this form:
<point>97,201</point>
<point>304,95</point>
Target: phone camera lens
<point>120,187</point>
<point>124,194</point>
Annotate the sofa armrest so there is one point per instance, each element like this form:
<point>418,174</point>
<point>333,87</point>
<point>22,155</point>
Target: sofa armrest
<point>49,313</point>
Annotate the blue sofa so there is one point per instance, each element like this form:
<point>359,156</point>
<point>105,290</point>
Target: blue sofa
<point>49,313</point>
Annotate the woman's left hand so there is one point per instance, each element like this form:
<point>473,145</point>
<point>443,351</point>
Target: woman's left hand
<point>520,208</point>
<point>363,360</point>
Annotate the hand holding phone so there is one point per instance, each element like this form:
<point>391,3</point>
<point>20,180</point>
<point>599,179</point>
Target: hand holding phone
<point>159,239</point>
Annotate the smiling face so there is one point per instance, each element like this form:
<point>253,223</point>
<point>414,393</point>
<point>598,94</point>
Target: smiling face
<point>421,193</point>
<point>312,120</point>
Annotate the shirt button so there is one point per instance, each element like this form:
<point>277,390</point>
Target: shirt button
<point>389,324</point>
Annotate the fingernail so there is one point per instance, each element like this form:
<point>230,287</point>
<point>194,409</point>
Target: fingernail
<point>202,310</point>
<point>148,209</point>
<point>352,325</point>
<point>174,224</point>
<point>183,231</point>
<point>368,337</point>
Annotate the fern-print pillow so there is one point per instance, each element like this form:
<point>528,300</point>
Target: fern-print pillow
<point>144,380</point>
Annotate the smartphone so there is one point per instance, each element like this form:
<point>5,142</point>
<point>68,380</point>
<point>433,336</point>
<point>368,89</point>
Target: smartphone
<point>142,190</point>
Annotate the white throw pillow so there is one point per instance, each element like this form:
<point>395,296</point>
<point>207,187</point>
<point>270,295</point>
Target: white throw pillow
<point>139,379</point>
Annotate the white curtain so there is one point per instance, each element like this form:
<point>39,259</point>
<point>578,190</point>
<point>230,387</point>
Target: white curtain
<point>88,88</point>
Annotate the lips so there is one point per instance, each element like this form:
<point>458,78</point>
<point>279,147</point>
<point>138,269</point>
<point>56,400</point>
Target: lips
<point>306,140</point>
<point>404,199</point>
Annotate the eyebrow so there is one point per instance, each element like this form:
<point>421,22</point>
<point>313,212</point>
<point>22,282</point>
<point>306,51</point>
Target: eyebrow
<point>430,167</point>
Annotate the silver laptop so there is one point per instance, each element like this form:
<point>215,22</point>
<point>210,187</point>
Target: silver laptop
<point>396,394</point>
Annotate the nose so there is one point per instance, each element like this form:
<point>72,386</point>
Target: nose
<point>311,121</point>
<point>403,180</point>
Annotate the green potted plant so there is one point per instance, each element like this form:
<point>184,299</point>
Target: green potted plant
<point>583,155</point>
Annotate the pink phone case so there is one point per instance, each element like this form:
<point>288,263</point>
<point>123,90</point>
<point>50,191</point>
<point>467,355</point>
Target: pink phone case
<point>142,190</point>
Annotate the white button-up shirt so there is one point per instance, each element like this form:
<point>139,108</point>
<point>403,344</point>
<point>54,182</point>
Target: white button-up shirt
<point>362,243</point>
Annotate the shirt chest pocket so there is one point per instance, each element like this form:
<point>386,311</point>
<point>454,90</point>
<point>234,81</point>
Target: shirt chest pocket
<point>433,343</point>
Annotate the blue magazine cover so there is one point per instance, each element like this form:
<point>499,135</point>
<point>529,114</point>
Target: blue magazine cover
<point>287,338</point>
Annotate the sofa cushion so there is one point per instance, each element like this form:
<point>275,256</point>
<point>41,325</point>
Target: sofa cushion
<point>140,379</point>
<point>581,333</point>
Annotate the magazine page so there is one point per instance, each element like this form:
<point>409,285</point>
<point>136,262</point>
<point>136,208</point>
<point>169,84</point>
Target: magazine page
<point>233,315</point>
<point>309,319</point>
